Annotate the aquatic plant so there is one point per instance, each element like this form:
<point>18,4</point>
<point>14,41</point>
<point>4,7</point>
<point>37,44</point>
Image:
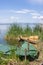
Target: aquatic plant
<point>27,31</point>
<point>38,31</point>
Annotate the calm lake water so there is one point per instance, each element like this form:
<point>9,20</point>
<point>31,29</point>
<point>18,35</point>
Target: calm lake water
<point>4,46</point>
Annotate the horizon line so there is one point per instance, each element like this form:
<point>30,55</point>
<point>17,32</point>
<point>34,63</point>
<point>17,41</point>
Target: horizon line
<point>20,23</point>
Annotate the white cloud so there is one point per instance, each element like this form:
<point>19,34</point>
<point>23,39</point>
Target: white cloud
<point>35,13</point>
<point>41,17</point>
<point>10,19</point>
<point>11,16</point>
<point>36,1</point>
<point>34,17</point>
<point>38,17</point>
<point>23,11</point>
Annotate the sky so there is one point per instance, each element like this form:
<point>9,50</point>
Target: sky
<point>21,11</point>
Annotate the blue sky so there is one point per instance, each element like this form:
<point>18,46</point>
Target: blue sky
<point>21,11</point>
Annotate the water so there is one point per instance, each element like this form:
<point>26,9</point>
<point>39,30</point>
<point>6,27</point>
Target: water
<point>3,43</point>
<point>4,46</point>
